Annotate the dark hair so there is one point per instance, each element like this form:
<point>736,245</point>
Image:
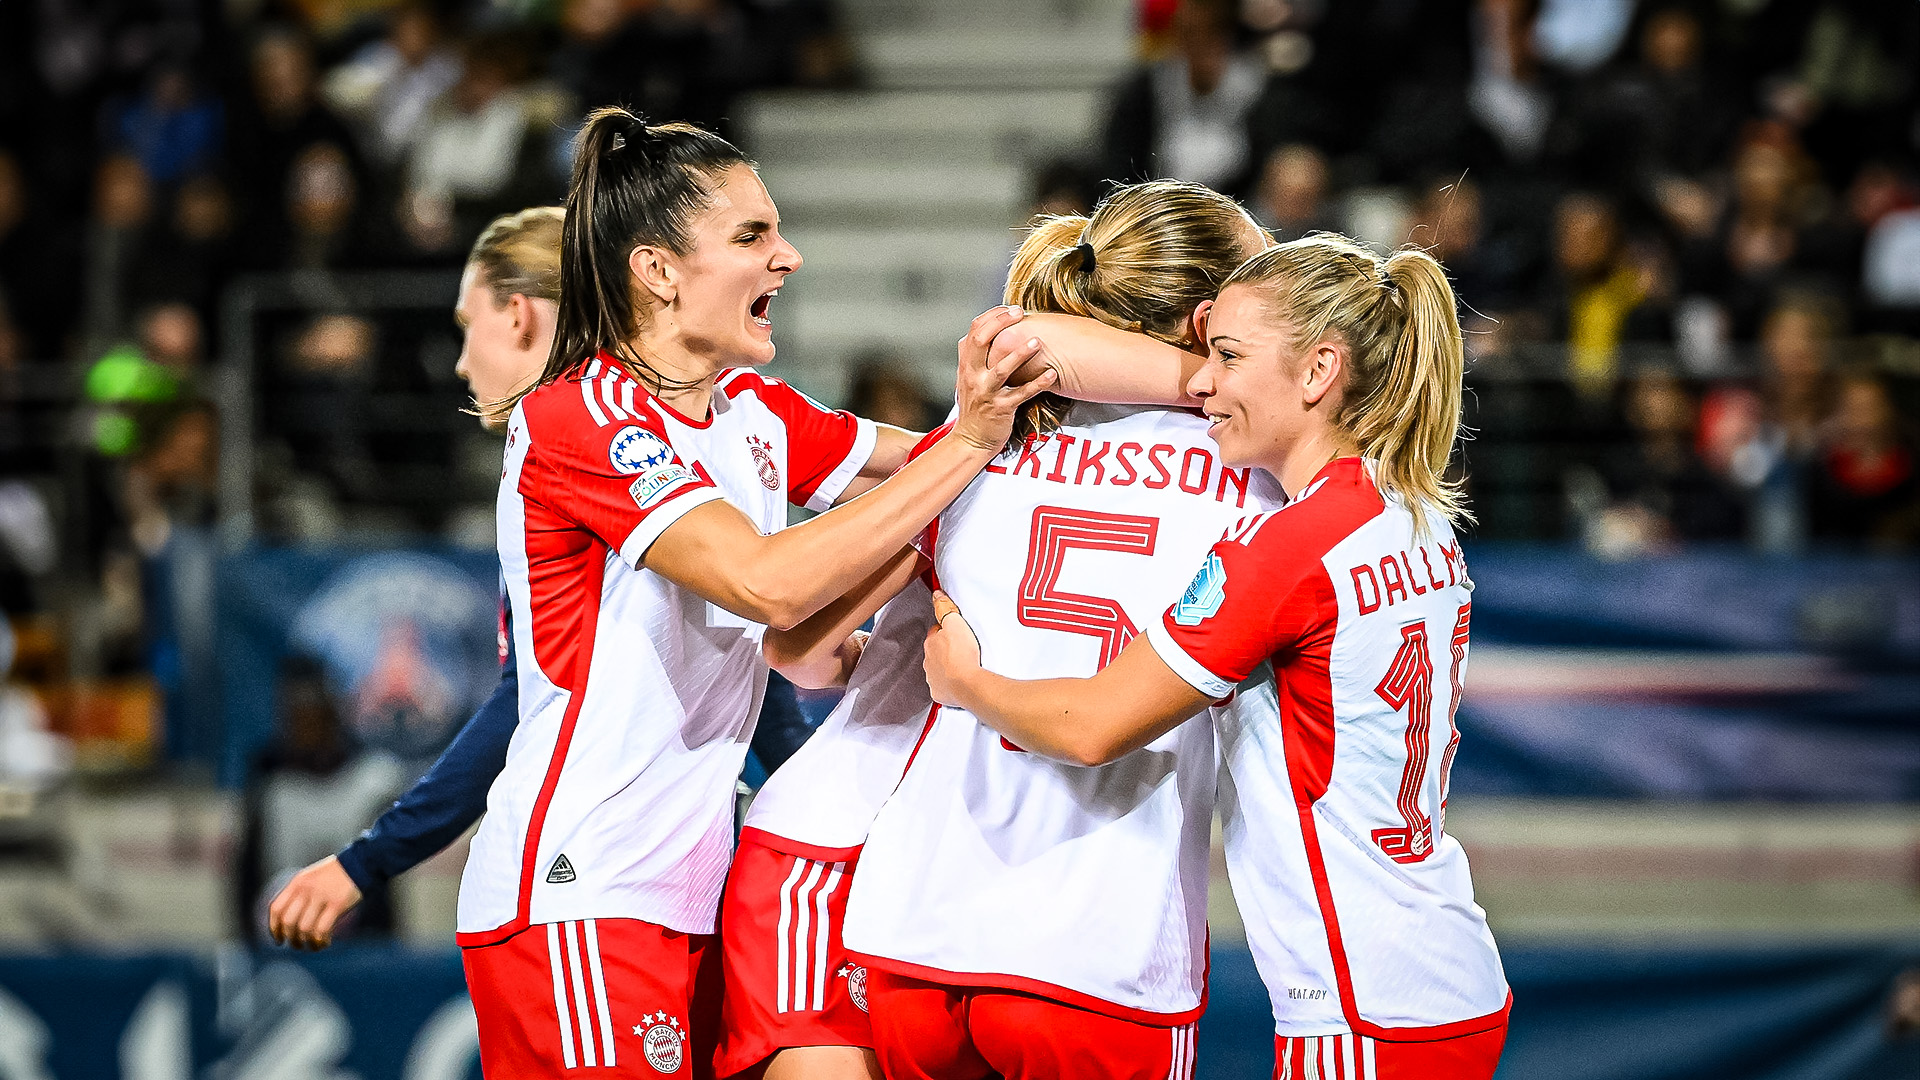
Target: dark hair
<point>633,184</point>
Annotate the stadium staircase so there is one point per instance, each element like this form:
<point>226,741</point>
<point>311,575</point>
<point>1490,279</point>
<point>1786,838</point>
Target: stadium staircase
<point>902,195</point>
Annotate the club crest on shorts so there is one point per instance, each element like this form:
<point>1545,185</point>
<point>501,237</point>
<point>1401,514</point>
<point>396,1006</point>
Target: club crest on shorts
<point>663,1040</point>
<point>856,977</point>
<point>635,449</point>
<point>762,452</point>
<point>1205,595</point>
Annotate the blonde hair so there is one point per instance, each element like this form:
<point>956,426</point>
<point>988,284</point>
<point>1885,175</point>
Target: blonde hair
<point>520,254</point>
<point>1148,256</point>
<point>1405,360</point>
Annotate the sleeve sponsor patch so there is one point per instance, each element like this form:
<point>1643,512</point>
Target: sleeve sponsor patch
<point>635,449</point>
<point>653,486</point>
<point>1204,596</point>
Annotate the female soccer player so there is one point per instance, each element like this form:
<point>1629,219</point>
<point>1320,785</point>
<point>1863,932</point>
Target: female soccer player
<point>508,299</point>
<point>1069,537</point>
<point>1342,621</point>
<point>641,518</point>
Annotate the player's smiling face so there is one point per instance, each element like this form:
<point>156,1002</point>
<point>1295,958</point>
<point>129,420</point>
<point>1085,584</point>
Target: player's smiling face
<point>737,262</point>
<point>1247,386</point>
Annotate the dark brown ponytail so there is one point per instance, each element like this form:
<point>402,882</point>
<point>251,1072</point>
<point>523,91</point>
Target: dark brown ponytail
<point>633,184</point>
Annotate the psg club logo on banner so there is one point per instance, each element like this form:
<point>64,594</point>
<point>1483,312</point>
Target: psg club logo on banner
<point>663,1040</point>
<point>763,460</point>
<point>1204,597</point>
<point>635,449</point>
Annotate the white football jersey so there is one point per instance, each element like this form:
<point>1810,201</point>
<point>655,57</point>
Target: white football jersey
<point>1358,905</point>
<point>821,802</point>
<point>995,867</point>
<point>637,697</point>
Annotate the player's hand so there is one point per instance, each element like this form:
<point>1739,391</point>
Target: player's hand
<point>987,402</point>
<point>952,651</point>
<point>304,913</point>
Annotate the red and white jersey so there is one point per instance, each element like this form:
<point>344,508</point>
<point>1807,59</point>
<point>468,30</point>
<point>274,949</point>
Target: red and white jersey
<point>994,867</point>
<point>1333,794</point>
<point>637,697</point>
<point>821,802</point>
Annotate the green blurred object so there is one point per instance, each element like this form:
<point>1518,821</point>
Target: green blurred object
<point>123,375</point>
<point>115,434</point>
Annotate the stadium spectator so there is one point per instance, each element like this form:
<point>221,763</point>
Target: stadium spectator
<point>279,122</point>
<point>173,129</point>
<point>470,158</point>
<point>1795,342</point>
<point>1293,199</point>
<point>1865,488</point>
<point>1595,297</point>
<point>189,257</point>
<point>1662,492</point>
<point>884,394</point>
<point>389,87</point>
<point>1664,116</point>
<point>116,238</point>
<point>322,213</point>
<point>1185,117</point>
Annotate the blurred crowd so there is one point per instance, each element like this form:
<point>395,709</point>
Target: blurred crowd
<point>154,152</point>
<point>1700,219</point>
<point>1686,234</point>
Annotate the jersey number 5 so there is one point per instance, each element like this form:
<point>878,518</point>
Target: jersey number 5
<point>1408,685</point>
<point>1057,530</point>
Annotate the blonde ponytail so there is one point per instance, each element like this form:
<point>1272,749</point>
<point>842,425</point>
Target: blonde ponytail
<point>1148,256</point>
<point>1405,360</point>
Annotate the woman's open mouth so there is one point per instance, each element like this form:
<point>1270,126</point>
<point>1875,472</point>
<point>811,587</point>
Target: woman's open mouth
<point>759,308</point>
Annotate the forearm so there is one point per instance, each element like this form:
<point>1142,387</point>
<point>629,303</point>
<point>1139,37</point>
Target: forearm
<point>815,654</point>
<point>783,579</point>
<point>1045,716</point>
<point>1131,702</point>
<point>445,801</point>
<point>1097,362</point>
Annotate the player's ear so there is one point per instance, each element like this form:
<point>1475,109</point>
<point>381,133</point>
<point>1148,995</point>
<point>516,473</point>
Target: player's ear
<point>655,272</point>
<point>1323,370</point>
<point>1198,324</point>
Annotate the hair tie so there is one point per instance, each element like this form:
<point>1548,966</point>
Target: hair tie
<point>1086,257</point>
<point>631,133</point>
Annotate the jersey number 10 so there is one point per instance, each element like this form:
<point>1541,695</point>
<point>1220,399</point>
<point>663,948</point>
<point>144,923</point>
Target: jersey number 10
<point>1408,685</point>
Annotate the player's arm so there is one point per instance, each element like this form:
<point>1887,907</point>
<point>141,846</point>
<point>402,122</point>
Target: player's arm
<point>1097,362</point>
<point>891,449</point>
<point>821,651</point>
<point>431,814</point>
<point>1132,701</point>
<point>714,551</point>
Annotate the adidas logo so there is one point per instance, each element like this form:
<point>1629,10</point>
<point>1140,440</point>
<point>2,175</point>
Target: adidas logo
<point>561,873</point>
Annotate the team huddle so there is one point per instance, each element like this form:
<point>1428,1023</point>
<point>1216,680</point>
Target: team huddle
<point>1185,549</point>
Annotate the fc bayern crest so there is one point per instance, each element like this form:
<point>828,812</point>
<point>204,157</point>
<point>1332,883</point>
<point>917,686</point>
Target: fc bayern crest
<point>763,460</point>
<point>663,1040</point>
<point>635,449</point>
<point>856,977</point>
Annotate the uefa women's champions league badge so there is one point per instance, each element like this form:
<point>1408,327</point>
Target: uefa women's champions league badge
<point>635,449</point>
<point>663,1040</point>
<point>1205,595</point>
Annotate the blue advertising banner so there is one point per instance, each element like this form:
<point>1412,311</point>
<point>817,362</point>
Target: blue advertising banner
<point>388,1013</point>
